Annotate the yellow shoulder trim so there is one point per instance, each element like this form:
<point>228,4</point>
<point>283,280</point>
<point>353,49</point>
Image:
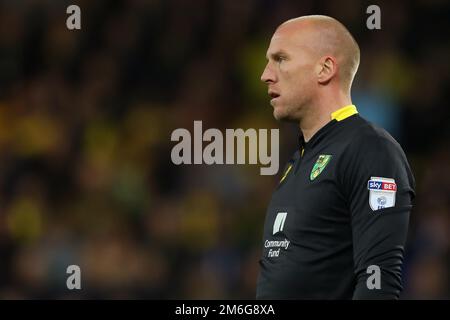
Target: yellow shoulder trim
<point>344,112</point>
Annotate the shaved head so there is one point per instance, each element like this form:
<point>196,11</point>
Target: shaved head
<point>312,61</point>
<point>329,37</point>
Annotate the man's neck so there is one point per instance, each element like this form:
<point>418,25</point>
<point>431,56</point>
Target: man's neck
<point>321,116</point>
<point>309,129</point>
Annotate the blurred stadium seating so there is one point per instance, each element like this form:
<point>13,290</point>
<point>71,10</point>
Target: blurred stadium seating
<point>85,123</point>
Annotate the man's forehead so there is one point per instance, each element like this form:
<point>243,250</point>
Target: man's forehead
<point>292,29</point>
<point>280,39</point>
<point>286,40</point>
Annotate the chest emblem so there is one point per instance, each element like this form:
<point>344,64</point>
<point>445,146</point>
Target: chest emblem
<point>320,164</point>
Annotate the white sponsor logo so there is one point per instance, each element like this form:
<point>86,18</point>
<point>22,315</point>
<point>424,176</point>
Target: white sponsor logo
<point>278,225</point>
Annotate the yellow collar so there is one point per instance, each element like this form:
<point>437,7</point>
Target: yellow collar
<point>344,112</point>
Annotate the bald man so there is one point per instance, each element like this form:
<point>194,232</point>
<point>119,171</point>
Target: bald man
<point>337,222</point>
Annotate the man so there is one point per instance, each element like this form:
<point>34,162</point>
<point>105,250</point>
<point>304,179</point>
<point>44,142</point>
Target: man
<point>337,222</point>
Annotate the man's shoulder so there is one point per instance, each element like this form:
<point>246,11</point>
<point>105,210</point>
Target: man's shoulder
<point>366,135</point>
<point>372,151</point>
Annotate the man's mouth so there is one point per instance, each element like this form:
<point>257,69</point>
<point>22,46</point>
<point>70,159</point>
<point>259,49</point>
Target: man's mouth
<point>273,95</point>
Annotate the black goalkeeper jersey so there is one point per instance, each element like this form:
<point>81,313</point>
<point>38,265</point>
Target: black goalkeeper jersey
<point>337,222</point>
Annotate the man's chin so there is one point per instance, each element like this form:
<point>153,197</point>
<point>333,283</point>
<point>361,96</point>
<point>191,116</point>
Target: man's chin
<point>281,115</point>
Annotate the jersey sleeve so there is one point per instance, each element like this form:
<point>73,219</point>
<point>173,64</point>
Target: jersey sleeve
<point>379,189</point>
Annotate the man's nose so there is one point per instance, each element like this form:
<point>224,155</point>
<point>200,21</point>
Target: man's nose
<point>268,75</point>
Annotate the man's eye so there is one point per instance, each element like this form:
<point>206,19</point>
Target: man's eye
<point>279,59</point>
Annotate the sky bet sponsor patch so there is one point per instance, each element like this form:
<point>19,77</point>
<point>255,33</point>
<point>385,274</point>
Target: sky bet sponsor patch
<point>381,193</point>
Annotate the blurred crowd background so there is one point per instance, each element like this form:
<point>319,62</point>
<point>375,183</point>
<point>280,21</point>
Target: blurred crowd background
<point>85,121</point>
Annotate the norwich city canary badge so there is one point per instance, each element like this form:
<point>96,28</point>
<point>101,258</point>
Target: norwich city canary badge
<point>320,164</point>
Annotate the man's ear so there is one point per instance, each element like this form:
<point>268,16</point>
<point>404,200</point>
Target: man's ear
<point>327,69</point>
